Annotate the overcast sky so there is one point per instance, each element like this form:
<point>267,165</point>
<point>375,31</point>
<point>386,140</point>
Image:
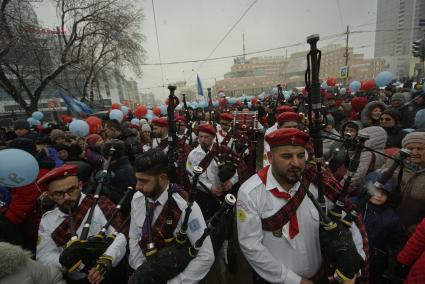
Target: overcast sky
<point>190,29</point>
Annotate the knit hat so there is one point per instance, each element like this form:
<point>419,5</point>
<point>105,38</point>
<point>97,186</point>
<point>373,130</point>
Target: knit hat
<point>21,124</point>
<point>399,97</point>
<point>55,134</point>
<point>420,119</point>
<point>92,139</point>
<point>146,128</point>
<point>414,137</point>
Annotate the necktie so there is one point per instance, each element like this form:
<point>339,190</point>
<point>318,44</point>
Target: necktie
<point>293,222</point>
<point>148,222</point>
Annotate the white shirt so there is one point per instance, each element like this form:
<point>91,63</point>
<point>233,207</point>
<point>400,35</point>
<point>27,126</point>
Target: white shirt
<point>200,265</point>
<point>266,145</point>
<point>48,252</point>
<point>156,141</point>
<point>280,259</point>
<point>210,176</point>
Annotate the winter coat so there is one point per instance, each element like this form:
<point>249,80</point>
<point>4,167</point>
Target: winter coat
<point>327,143</point>
<point>131,142</point>
<point>365,115</point>
<point>370,161</point>
<point>94,157</point>
<point>16,266</point>
<point>395,135</point>
<point>383,226</point>
<point>413,255</point>
<point>412,204</point>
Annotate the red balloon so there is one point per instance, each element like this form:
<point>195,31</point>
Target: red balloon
<point>254,100</point>
<point>140,111</point>
<point>368,85</point>
<point>116,106</point>
<point>66,118</point>
<point>331,82</point>
<point>94,123</point>
<point>157,111</point>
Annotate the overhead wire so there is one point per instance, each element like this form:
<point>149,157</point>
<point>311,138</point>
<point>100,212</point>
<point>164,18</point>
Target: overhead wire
<point>157,44</point>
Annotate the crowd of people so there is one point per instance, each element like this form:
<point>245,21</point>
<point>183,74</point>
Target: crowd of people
<point>257,149</point>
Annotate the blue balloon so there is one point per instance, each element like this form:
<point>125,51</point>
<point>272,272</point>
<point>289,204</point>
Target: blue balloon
<point>261,96</point>
<point>135,121</point>
<point>249,104</point>
<point>324,85</point>
<point>342,91</point>
<point>355,86</point>
<point>23,171</point>
<point>37,115</point>
<point>384,78</point>
<point>232,101</point>
<point>150,112</point>
<point>274,90</point>
<point>287,95</point>
<point>124,110</point>
<point>163,109</point>
<point>79,128</point>
<point>116,114</point>
<point>215,103</point>
<point>149,116</point>
<point>33,122</point>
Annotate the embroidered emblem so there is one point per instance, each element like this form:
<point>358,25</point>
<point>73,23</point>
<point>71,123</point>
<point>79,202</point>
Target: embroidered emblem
<point>241,215</point>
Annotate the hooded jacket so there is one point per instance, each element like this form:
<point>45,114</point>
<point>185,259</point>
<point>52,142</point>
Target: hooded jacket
<point>370,161</point>
<point>16,266</point>
<point>366,112</point>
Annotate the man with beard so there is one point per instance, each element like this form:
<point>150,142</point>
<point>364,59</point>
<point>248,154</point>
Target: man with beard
<point>64,188</point>
<point>210,185</point>
<point>153,185</point>
<point>160,133</point>
<point>225,126</point>
<point>278,226</point>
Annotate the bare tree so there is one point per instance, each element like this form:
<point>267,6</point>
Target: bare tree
<point>88,44</point>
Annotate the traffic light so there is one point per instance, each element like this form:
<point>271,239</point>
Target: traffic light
<point>418,48</point>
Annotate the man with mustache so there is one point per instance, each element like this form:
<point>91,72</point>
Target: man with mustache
<point>278,225</point>
<point>63,187</point>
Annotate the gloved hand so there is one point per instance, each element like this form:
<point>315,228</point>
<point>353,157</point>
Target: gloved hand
<point>104,265</point>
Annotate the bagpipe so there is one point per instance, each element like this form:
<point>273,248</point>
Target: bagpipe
<point>243,137</point>
<point>81,253</point>
<point>189,121</point>
<point>336,241</point>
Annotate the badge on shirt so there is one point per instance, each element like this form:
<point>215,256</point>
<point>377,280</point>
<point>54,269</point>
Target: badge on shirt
<point>241,215</point>
<point>39,239</point>
<point>194,225</point>
<point>277,233</point>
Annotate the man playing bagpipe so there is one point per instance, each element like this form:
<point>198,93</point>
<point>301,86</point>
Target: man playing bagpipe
<point>224,128</point>
<point>150,212</point>
<point>210,186</point>
<point>183,133</point>
<point>58,243</point>
<point>160,130</point>
<point>278,223</point>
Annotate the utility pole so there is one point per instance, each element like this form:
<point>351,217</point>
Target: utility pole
<point>243,47</point>
<point>347,33</point>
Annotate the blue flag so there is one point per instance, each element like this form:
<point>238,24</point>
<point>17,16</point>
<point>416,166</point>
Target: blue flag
<point>75,106</point>
<point>200,90</point>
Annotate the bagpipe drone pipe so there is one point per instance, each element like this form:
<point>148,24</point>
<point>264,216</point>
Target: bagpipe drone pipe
<point>336,241</point>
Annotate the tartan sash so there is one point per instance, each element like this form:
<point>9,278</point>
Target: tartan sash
<point>208,158</point>
<point>284,214</point>
<point>163,144</point>
<point>61,235</point>
<point>158,228</point>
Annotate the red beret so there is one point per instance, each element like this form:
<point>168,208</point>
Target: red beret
<point>207,128</point>
<point>181,118</point>
<point>288,116</point>
<point>226,116</point>
<point>160,121</point>
<point>287,136</point>
<point>284,108</point>
<point>62,171</point>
